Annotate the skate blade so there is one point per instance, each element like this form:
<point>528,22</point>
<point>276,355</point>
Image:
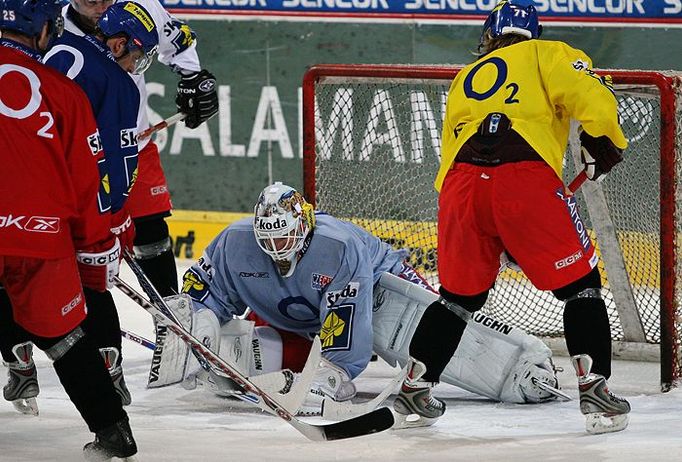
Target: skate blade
<point>403,421</point>
<point>600,422</point>
<point>27,406</point>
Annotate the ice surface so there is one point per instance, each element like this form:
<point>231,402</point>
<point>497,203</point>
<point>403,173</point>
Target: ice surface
<point>173,424</point>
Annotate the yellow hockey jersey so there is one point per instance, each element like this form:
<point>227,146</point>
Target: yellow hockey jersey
<point>540,85</point>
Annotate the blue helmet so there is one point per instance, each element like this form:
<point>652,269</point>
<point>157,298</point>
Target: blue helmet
<point>29,16</point>
<point>133,21</point>
<point>513,17</point>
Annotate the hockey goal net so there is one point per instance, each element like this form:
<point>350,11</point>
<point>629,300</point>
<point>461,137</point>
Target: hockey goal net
<point>371,152</point>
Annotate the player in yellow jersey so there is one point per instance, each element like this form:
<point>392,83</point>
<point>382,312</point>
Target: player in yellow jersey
<point>504,136</point>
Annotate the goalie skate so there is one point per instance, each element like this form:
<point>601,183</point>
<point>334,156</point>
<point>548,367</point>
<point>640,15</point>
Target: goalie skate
<point>604,412</point>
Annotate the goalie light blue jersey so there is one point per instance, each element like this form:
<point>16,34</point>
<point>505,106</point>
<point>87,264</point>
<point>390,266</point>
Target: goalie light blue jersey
<point>330,292</point>
<point>114,99</point>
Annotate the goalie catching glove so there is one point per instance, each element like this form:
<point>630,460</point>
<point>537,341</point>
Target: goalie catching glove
<point>197,97</point>
<point>598,155</point>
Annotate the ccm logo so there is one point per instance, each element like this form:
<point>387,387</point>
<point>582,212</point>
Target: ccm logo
<point>568,260</point>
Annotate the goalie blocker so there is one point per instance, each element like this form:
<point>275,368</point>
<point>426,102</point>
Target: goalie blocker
<point>494,359</point>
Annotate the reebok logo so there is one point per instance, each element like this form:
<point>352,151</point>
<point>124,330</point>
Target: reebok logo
<point>35,224</point>
<point>42,225</point>
<point>9,221</point>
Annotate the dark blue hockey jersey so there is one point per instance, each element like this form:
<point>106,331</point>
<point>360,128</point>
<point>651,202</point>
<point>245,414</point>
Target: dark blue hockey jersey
<point>114,99</point>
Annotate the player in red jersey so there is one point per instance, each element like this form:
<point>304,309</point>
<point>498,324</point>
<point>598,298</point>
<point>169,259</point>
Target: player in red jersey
<point>54,225</point>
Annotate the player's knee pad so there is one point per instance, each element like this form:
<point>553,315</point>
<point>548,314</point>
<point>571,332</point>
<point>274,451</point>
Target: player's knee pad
<point>153,249</point>
<point>470,303</point>
<point>151,238</point>
<point>56,348</point>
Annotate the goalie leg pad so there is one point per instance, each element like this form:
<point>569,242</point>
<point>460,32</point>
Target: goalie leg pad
<point>254,350</point>
<point>172,361</point>
<point>501,362</point>
<point>493,359</point>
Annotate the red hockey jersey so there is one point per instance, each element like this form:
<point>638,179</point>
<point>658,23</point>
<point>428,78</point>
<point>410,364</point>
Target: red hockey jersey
<point>52,198</point>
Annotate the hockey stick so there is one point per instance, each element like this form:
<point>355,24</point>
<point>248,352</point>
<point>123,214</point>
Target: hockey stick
<point>161,125</point>
<point>133,337</point>
<point>373,422</point>
<point>335,410</point>
<point>283,381</point>
<point>576,183</point>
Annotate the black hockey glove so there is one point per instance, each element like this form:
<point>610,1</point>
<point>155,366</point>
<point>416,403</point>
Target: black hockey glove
<point>598,155</point>
<point>197,97</point>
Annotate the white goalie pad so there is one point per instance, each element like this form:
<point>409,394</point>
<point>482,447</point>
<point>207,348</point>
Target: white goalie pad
<point>493,359</point>
<point>170,353</point>
<point>254,350</point>
<point>172,359</point>
<point>251,350</point>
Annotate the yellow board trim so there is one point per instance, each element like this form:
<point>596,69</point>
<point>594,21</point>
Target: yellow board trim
<point>419,237</point>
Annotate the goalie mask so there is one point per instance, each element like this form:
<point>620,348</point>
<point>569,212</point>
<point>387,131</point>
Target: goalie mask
<point>512,17</point>
<point>283,225</point>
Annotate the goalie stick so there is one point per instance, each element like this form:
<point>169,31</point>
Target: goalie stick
<point>373,422</point>
<point>335,410</point>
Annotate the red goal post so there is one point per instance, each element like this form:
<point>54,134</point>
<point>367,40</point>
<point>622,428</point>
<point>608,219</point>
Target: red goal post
<point>371,140</point>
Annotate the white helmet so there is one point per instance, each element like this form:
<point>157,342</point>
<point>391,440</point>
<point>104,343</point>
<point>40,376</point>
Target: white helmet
<point>282,223</point>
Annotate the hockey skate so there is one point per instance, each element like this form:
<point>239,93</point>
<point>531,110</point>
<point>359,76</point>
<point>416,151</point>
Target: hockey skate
<point>113,441</point>
<point>415,406</point>
<point>604,412</point>
<point>22,384</point>
<point>112,360</point>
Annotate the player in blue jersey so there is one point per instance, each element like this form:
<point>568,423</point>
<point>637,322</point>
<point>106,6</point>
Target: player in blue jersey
<point>305,274</point>
<point>197,97</point>
<point>125,41</point>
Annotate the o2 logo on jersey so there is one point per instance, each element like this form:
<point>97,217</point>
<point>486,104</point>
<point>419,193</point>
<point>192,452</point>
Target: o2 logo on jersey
<point>95,143</point>
<point>501,77</point>
<point>128,138</point>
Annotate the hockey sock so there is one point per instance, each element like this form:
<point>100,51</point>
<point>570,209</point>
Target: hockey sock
<point>154,253</point>
<point>11,333</point>
<point>87,382</point>
<point>102,323</point>
<point>587,331</point>
<point>162,272</point>
<point>436,339</point>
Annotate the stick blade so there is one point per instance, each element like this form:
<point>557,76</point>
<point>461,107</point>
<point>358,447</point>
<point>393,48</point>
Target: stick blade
<point>374,422</point>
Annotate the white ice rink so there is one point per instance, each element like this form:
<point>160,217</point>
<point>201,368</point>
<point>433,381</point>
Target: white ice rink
<point>173,424</point>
